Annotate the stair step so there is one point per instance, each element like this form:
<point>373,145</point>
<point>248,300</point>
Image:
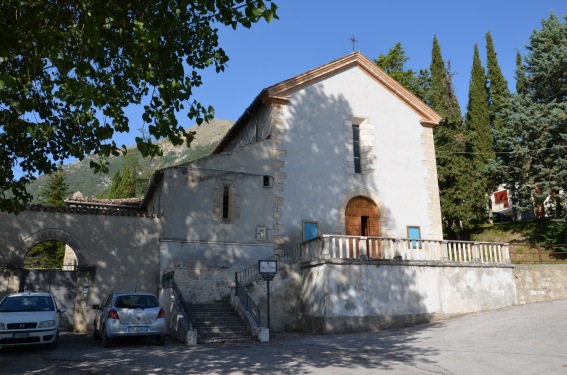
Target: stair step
<point>222,332</point>
<point>205,325</point>
<point>226,340</point>
<point>209,309</point>
<point>218,322</point>
<point>217,314</point>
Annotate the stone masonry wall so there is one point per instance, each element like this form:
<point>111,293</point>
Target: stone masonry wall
<point>204,285</point>
<point>540,282</point>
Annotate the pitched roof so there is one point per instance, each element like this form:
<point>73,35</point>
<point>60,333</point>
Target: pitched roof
<point>278,92</point>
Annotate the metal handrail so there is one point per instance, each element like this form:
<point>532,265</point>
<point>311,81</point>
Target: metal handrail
<point>168,281</point>
<point>252,274</point>
<point>247,301</point>
<point>283,258</point>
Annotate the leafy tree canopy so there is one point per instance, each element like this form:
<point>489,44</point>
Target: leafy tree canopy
<point>68,70</point>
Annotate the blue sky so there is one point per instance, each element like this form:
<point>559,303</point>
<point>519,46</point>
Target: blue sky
<point>311,33</point>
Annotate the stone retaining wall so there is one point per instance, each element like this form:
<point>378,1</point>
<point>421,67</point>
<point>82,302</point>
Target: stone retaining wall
<point>540,282</point>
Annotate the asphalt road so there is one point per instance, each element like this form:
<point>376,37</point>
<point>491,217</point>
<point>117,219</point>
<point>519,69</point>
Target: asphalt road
<point>528,339</point>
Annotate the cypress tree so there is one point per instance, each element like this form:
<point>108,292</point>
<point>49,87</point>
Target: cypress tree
<point>499,102</point>
<point>127,187</point>
<point>116,179</point>
<point>498,92</point>
<point>452,166</point>
<point>480,140</point>
<point>480,137</point>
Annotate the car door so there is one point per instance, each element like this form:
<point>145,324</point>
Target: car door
<point>102,312</point>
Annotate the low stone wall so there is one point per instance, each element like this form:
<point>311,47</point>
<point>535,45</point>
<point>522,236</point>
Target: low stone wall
<point>540,282</point>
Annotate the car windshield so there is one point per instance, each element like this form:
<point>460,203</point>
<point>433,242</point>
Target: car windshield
<point>136,302</point>
<point>26,303</point>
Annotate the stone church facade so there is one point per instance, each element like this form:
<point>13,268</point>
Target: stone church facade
<point>340,149</point>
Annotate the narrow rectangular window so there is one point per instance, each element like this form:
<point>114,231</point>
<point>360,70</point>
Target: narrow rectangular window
<point>225,202</point>
<point>356,147</point>
<point>414,233</point>
<point>266,181</point>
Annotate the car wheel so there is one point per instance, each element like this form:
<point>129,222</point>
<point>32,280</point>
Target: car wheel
<point>96,335</point>
<point>55,342</point>
<point>160,340</point>
<point>106,341</point>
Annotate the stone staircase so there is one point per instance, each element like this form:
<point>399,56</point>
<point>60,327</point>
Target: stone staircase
<point>218,322</point>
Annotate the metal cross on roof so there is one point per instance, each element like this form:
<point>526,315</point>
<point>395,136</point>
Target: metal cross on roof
<point>353,40</point>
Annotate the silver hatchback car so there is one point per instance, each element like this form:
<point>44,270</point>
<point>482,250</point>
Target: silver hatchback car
<point>129,314</point>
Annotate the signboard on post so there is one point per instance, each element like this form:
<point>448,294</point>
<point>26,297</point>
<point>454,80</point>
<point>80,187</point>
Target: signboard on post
<point>268,270</point>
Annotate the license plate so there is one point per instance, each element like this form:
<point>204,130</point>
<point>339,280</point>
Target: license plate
<point>139,329</point>
<point>20,335</point>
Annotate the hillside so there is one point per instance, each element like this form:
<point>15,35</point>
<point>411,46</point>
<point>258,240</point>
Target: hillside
<point>529,231</point>
<point>81,178</point>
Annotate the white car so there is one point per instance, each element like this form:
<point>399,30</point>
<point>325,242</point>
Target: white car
<point>129,314</point>
<point>29,319</point>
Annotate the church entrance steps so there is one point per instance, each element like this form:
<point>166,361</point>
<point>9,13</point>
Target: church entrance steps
<point>218,322</point>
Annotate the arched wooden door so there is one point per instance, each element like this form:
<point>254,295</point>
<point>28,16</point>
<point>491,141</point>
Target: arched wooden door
<point>362,218</point>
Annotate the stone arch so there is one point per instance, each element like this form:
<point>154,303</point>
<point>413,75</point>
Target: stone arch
<point>356,192</point>
<point>54,234</point>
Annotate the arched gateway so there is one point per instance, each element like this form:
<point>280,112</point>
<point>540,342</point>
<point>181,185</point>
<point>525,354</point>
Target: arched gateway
<point>63,284</point>
<point>53,234</point>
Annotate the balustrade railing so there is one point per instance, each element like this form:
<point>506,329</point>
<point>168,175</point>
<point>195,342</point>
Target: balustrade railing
<point>357,247</point>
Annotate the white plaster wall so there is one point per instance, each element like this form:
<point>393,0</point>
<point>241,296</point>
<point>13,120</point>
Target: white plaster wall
<point>124,250</point>
<point>389,290</point>
<point>188,198</point>
<point>201,247</point>
<point>316,158</point>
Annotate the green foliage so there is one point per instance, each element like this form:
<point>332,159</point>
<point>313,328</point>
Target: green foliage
<point>127,186</point>
<point>546,61</point>
<point>480,141</point>
<point>556,233</point>
<point>114,185</point>
<point>441,95</point>
<point>498,91</point>
<point>456,183</point>
<point>47,254</point>
<point>81,178</point>
<point>55,189</point>
<point>543,231</point>
<point>393,64</point>
<point>69,69</point>
<point>537,126</point>
<point>521,79</point>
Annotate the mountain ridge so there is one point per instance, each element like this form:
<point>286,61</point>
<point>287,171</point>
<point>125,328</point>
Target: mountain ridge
<point>81,178</point>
